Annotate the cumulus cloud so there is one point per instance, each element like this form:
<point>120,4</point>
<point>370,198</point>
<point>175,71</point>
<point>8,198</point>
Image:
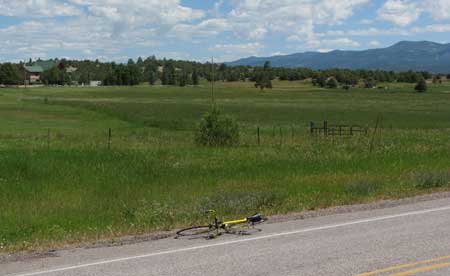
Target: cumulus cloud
<point>37,8</point>
<point>405,12</point>
<point>225,52</point>
<point>399,12</point>
<point>295,17</point>
<point>374,43</point>
<point>110,28</point>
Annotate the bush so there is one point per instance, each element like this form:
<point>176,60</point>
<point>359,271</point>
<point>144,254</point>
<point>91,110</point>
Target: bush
<point>216,129</point>
<point>421,86</point>
<point>332,83</point>
<point>430,180</point>
<point>363,187</point>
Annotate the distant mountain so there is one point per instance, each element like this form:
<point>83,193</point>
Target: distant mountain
<point>403,56</point>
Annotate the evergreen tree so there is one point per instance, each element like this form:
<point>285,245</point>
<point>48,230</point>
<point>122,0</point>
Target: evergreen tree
<point>195,80</point>
<point>10,74</point>
<point>168,76</point>
<point>320,81</point>
<point>152,77</point>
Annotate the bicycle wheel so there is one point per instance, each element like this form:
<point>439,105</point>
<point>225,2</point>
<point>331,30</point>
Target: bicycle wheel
<point>195,232</point>
<point>241,229</point>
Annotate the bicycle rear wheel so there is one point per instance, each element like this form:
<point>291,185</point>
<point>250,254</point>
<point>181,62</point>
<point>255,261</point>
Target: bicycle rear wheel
<point>195,232</point>
<point>242,229</point>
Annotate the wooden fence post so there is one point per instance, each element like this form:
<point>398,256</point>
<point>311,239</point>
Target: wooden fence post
<point>259,138</point>
<point>311,127</point>
<point>292,134</point>
<point>109,138</point>
<point>48,139</point>
<point>281,137</point>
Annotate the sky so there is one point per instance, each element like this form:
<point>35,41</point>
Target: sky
<point>116,30</point>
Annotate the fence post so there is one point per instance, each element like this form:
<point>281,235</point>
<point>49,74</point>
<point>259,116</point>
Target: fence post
<point>109,138</point>
<point>259,138</point>
<point>281,137</point>
<point>311,127</point>
<point>293,134</point>
<point>48,139</point>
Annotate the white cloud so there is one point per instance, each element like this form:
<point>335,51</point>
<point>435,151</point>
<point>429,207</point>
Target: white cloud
<point>37,8</point>
<point>227,52</point>
<point>100,27</point>
<point>297,18</point>
<point>340,42</point>
<point>438,9</point>
<point>434,28</point>
<point>374,43</point>
<point>238,48</point>
<point>399,12</point>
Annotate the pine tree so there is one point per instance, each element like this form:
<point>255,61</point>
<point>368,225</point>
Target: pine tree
<point>195,80</point>
<point>152,77</point>
<point>10,74</point>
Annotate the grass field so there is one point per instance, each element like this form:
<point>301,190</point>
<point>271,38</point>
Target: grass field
<point>67,187</point>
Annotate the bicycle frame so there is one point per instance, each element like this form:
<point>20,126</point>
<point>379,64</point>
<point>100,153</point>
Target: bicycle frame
<point>223,225</point>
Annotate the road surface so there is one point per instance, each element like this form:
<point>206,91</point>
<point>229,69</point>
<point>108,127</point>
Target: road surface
<point>404,240</point>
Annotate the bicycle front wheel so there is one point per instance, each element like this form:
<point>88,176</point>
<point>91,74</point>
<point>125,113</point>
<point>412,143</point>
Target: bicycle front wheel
<point>196,231</point>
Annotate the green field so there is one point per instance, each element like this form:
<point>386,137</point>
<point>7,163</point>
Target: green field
<point>59,182</point>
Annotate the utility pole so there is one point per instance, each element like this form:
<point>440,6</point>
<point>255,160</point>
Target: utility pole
<point>212,82</point>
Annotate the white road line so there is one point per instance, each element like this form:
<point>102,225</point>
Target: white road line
<point>306,230</point>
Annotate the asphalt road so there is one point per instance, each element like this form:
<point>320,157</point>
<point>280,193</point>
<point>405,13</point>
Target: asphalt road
<point>405,240</point>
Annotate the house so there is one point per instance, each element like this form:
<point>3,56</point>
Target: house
<point>32,74</point>
<point>71,69</point>
<point>95,83</point>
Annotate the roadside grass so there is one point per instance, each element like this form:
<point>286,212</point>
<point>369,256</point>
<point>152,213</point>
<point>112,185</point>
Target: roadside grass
<point>71,188</point>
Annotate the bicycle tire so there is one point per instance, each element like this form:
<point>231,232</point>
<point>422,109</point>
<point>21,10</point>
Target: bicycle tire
<point>195,231</point>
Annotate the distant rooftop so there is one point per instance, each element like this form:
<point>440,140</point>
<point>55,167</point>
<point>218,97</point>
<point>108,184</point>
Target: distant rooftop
<point>34,69</point>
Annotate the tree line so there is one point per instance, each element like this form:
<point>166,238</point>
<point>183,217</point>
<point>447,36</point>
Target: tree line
<point>178,72</point>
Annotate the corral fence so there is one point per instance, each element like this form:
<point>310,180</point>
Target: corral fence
<point>337,130</point>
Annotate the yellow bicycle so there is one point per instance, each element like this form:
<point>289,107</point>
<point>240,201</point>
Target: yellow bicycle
<point>243,226</point>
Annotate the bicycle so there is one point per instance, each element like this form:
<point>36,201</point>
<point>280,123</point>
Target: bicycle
<point>216,228</point>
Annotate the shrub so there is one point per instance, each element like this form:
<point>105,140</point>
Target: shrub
<point>363,187</point>
<point>216,129</point>
<point>332,83</point>
<point>421,86</point>
<point>430,180</point>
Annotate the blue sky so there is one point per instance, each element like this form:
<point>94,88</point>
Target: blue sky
<point>197,30</point>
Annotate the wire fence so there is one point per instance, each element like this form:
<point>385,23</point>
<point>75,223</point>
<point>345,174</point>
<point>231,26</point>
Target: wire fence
<point>109,138</point>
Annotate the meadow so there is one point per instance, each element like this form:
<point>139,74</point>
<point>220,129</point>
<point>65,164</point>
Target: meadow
<point>63,181</point>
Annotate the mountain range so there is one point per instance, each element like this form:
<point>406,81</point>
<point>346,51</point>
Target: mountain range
<point>403,56</point>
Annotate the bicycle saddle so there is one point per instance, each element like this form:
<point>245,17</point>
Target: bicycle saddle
<point>255,218</point>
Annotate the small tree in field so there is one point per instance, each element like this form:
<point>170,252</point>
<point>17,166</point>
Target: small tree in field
<point>421,86</point>
<point>263,81</point>
<point>217,130</point>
